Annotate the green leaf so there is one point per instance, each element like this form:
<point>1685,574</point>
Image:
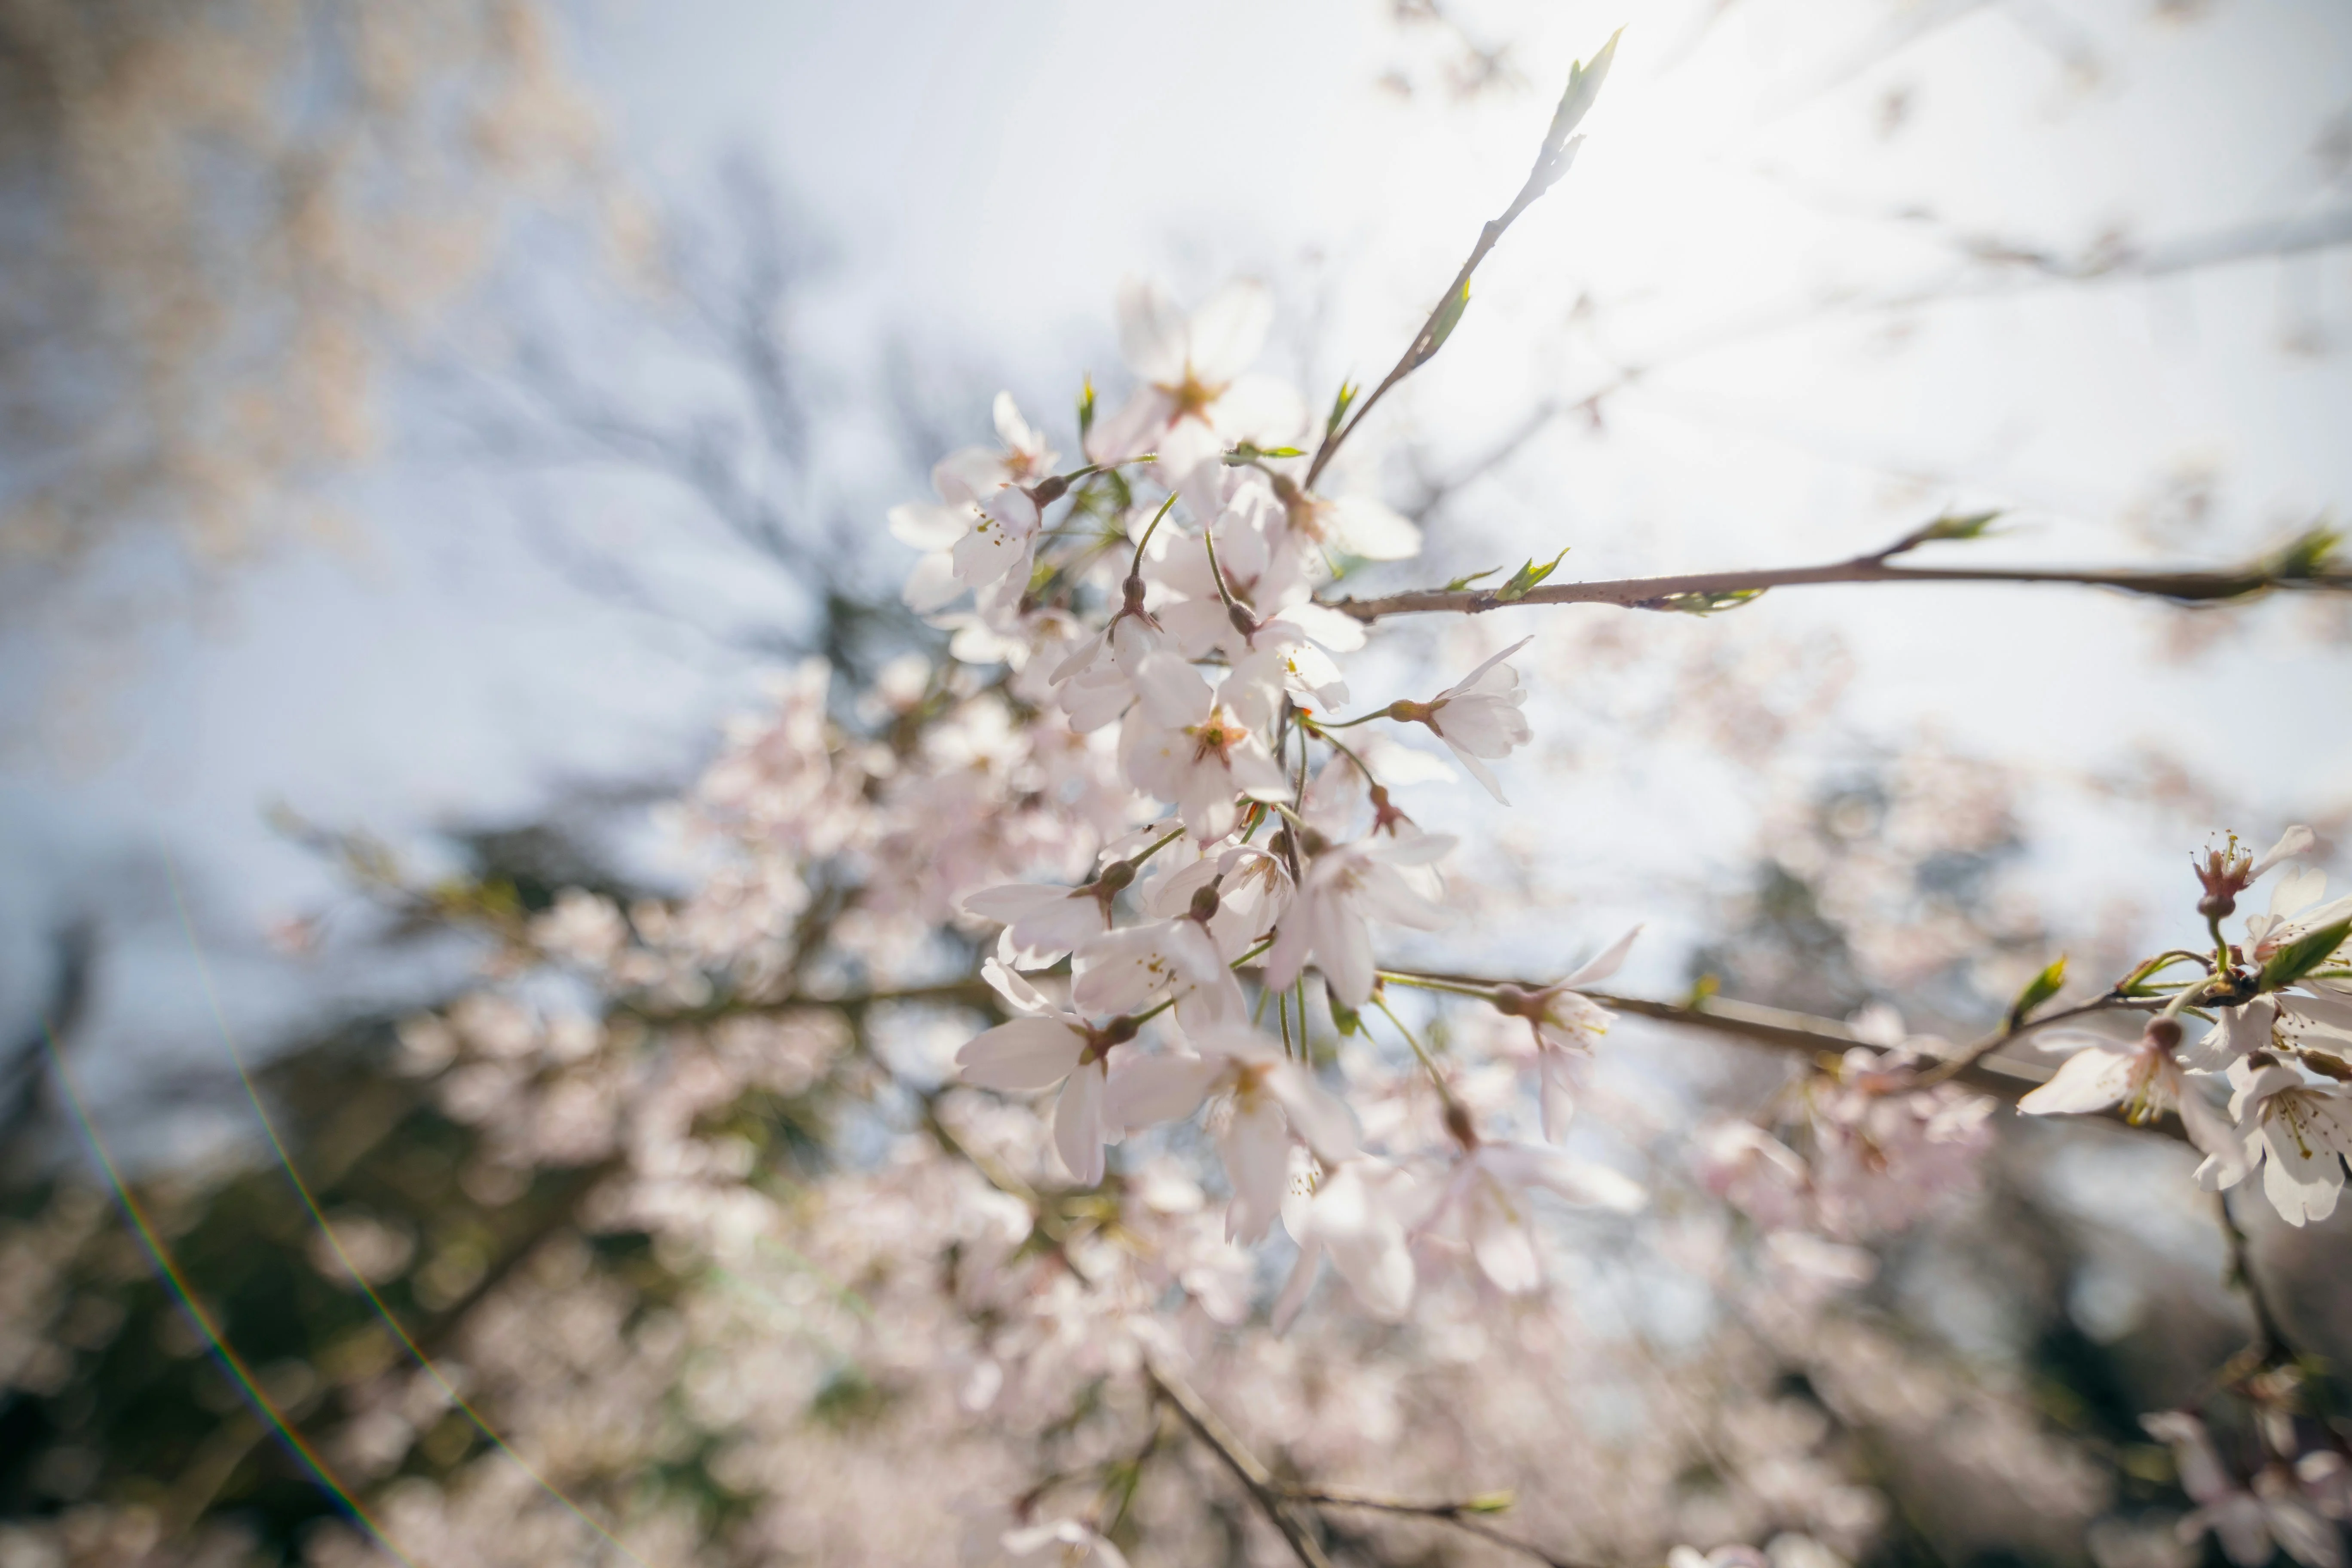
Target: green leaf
<point>1526,577</point>
<point>1086,407</point>
<point>1583,87</point>
<point>2038,990</point>
<point>1970,526</point>
<point>2301,956</point>
<point>1340,406</point>
<point>1441,325</point>
<point>1706,603</point>
<point>2307,555</point>
<point>1247,453</point>
<point>1459,583</point>
<point>1487,1502</point>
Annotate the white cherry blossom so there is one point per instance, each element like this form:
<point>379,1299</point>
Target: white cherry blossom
<point>1564,1022</point>
<point>1048,1046</point>
<point>2246,1522</point>
<point>1063,1544</point>
<point>1487,1199</point>
<point>984,521</point>
<point>1346,888</point>
<point>1196,399</point>
<point>1124,971</point>
<point>1268,1098</point>
<point>1254,891</point>
<point>1041,924</point>
<point>1199,751</point>
<point>1359,1214</point>
<point>1478,717</point>
<point>2144,1077</point>
<point>2297,1131</point>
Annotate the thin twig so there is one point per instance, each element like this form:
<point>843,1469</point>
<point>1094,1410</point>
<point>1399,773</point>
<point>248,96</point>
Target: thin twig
<point>1692,590</point>
<point>1287,1514</point>
<point>1960,1062</point>
<point>1462,1516</point>
<point>1551,162</point>
<point>2270,1346</point>
<point>1816,1036</point>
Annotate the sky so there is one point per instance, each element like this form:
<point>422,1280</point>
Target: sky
<point>1770,222</point>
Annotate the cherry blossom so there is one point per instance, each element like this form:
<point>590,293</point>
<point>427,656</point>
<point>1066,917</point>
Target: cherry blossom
<point>1197,750</point>
<point>1268,1100</point>
<point>1046,1045</point>
<point>1486,1199</point>
<point>1064,1543</point>
<point>1042,923</point>
<point>1122,970</point>
<point>2248,1523</point>
<point>1478,717</point>
<point>1359,1215</point>
<point>2144,1077</point>
<point>2297,1130</point>
<point>1196,398</point>
<point>984,520</point>
<point>1565,1022</point>
<point>1345,890</point>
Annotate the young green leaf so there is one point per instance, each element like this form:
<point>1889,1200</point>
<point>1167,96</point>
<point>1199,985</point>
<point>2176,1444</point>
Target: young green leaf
<point>1459,583</point>
<point>1086,407</point>
<point>1971,525</point>
<point>1527,576</point>
<point>1583,87</point>
<point>2301,956</point>
<point>1340,406</point>
<point>1706,603</point>
<point>1441,326</point>
<point>2038,990</point>
<point>2307,556</point>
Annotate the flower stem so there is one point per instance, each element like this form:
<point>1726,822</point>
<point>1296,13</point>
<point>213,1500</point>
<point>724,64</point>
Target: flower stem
<point>1431,982</point>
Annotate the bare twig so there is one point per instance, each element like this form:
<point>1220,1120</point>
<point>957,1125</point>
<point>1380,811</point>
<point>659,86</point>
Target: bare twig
<point>1960,1062</point>
<point>1702,589</point>
<point>1815,1036</point>
<point>2270,1346</point>
<point>1552,160</point>
<point>1286,1513</point>
<point>1462,1516</point>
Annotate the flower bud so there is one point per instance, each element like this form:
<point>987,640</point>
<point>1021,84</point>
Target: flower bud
<point>1458,1123</point>
<point>1514,1001</point>
<point>1204,905</point>
<point>2164,1034</point>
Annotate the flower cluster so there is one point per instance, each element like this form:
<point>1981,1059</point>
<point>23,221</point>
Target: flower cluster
<point>2280,1042</point>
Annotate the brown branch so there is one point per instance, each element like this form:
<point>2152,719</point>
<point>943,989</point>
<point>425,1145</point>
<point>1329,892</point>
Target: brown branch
<point>1958,1064</point>
<point>972,990</point>
<point>1286,1513</point>
<point>1462,1516</point>
<point>2270,1346</point>
<point>1804,1033</point>
<point>2008,1081</point>
<point>1694,590</point>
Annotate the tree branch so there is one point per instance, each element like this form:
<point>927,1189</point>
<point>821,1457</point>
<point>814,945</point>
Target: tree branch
<point>2292,569</point>
<point>1807,1035</point>
<point>1552,160</point>
<point>1284,1512</point>
<point>1462,1516</point>
<point>2270,1346</point>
